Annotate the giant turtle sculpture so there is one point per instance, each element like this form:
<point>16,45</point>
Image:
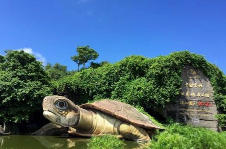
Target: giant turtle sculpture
<point>98,118</point>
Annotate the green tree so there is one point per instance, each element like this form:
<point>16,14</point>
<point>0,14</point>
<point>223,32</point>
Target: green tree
<point>96,65</point>
<point>85,54</point>
<point>56,71</point>
<point>1,59</point>
<point>76,60</point>
<point>23,84</point>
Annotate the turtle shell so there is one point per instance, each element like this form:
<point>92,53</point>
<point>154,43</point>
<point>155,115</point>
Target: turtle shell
<point>122,111</point>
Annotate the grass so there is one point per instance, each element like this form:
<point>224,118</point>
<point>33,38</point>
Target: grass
<point>105,142</point>
<point>178,136</point>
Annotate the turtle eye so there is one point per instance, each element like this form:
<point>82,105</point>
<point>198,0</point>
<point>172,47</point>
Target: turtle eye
<point>61,104</point>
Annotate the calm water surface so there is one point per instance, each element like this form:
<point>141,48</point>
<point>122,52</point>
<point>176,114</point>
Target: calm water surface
<point>48,142</point>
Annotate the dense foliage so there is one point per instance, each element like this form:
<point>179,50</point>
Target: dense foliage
<point>150,83</point>
<point>56,71</point>
<point>137,80</point>
<point>187,137</point>
<point>23,84</point>
<point>105,141</point>
<point>175,136</point>
<point>96,65</point>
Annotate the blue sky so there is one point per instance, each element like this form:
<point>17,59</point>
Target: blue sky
<point>52,29</point>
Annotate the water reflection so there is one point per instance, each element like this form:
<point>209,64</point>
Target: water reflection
<point>41,142</point>
<point>50,142</point>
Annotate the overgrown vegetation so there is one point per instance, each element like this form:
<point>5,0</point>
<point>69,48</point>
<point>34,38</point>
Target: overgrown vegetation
<point>149,83</point>
<point>137,80</point>
<point>57,71</point>
<point>23,84</point>
<point>178,136</point>
<point>105,142</point>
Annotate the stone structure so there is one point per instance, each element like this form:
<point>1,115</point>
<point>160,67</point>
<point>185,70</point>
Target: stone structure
<point>196,105</point>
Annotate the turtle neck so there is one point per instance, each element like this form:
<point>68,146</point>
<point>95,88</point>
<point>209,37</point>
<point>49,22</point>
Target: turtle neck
<point>85,123</point>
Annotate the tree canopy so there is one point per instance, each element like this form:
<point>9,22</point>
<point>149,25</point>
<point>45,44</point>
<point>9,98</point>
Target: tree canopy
<point>85,54</point>
<point>23,84</point>
<point>56,71</point>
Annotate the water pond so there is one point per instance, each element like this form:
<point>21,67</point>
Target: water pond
<point>49,142</point>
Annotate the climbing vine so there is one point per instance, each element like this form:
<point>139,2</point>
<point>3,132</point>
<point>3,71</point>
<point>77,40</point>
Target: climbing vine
<point>137,80</point>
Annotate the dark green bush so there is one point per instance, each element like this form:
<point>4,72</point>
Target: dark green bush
<point>23,84</point>
<point>221,119</point>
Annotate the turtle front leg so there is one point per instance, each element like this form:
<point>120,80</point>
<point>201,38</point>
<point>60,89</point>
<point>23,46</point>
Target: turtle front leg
<point>130,132</point>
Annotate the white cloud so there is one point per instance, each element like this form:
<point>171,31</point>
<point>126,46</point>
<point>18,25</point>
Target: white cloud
<point>38,56</point>
<point>27,50</point>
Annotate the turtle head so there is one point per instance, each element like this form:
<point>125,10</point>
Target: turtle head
<point>60,110</point>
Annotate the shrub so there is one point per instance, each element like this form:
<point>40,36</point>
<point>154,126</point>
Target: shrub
<point>105,142</point>
<point>178,136</point>
<point>23,84</point>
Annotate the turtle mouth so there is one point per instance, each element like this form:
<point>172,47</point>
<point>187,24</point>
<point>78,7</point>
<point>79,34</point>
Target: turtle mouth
<point>51,116</point>
<point>57,119</point>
